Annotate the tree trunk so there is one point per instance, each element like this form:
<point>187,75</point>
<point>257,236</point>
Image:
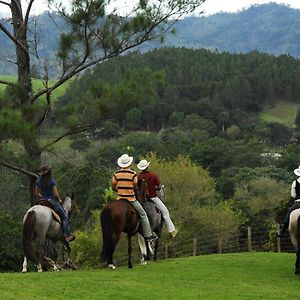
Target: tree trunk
<point>25,89</point>
<point>22,51</point>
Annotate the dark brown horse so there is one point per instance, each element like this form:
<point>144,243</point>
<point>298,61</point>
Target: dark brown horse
<point>119,216</point>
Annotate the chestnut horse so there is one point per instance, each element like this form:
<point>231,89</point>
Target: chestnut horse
<point>41,223</point>
<point>119,216</point>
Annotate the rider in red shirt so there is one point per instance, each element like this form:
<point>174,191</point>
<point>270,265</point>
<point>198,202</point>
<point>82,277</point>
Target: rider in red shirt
<point>153,184</point>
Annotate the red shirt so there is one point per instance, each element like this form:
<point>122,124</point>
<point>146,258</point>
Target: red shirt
<point>152,181</point>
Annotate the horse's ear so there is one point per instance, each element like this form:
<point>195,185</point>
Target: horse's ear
<point>72,196</point>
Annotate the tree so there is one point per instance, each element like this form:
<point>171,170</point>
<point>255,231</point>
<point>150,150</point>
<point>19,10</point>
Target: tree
<point>93,32</point>
<point>11,256</point>
<point>297,119</point>
<point>280,134</point>
<point>262,196</point>
<point>186,184</point>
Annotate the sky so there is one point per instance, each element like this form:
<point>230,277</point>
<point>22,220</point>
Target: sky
<point>209,7</point>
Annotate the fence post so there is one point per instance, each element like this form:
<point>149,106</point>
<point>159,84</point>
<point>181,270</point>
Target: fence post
<point>194,247</point>
<point>249,239</point>
<point>166,252</point>
<point>219,246</point>
<point>278,245</point>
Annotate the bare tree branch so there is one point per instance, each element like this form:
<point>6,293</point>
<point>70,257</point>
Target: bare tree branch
<point>17,42</point>
<point>7,82</point>
<point>74,130</point>
<point>3,163</point>
<point>8,60</point>
<point>28,13</point>
<point>5,3</point>
<point>46,111</point>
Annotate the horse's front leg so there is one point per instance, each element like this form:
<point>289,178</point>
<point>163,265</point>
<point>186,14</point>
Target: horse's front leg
<point>155,250</point>
<point>129,251</point>
<point>24,270</point>
<point>68,264</point>
<point>297,264</point>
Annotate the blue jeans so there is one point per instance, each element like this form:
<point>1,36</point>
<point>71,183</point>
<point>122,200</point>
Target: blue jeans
<point>61,212</point>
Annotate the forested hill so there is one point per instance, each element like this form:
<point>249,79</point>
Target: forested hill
<point>269,28</point>
<point>160,87</point>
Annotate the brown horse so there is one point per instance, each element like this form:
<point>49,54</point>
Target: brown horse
<point>119,216</point>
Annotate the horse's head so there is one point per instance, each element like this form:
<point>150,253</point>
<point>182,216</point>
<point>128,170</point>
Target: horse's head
<point>142,192</point>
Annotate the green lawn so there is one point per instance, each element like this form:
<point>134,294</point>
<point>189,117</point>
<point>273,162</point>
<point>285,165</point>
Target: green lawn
<point>229,276</point>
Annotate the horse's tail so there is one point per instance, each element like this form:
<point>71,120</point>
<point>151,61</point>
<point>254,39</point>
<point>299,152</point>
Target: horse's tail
<point>28,235</point>
<point>108,245</point>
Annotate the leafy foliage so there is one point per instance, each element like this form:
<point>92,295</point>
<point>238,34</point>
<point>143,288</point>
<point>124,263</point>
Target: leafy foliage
<point>11,256</point>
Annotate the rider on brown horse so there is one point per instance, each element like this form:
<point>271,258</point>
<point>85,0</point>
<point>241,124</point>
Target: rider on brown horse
<point>46,190</point>
<point>124,182</point>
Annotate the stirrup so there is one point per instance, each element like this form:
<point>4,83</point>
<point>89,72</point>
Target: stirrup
<point>151,238</point>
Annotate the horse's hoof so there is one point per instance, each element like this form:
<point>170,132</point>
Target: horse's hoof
<point>297,271</point>
<point>111,266</point>
<point>24,271</point>
<point>130,267</point>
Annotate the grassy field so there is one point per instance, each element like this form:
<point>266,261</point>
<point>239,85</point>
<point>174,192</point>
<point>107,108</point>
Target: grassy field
<point>37,85</point>
<point>228,276</point>
<point>282,112</point>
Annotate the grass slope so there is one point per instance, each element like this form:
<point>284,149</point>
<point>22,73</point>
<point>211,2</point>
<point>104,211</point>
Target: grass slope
<point>37,85</point>
<point>228,276</point>
<point>281,112</point>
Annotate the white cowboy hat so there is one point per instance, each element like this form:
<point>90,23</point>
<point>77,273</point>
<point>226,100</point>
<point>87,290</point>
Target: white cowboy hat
<point>297,171</point>
<point>125,161</point>
<point>143,164</point>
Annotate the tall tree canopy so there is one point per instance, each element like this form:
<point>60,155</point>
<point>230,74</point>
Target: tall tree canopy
<point>94,31</point>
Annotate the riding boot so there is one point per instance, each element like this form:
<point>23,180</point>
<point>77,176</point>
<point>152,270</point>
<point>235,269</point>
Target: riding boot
<point>70,238</point>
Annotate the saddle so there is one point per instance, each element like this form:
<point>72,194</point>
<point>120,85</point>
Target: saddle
<point>55,215</point>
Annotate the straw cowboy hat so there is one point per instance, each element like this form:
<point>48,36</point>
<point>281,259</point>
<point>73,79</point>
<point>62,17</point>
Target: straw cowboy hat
<point>125,161</point>
<point>297,171</point>
<point>44,169</point>
<point>143,165</point>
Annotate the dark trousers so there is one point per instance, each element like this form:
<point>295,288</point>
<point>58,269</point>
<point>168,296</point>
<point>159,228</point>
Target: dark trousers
<point>287,217</point>
<point>61,212</point>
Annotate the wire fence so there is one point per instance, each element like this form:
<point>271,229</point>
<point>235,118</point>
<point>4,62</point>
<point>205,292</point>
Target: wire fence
<point>261,240</point>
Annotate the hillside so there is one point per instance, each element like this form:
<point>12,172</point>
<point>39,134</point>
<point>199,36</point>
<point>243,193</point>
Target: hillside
<point>269,28</point>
